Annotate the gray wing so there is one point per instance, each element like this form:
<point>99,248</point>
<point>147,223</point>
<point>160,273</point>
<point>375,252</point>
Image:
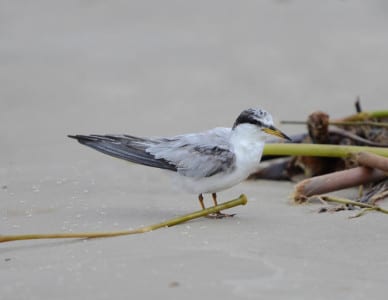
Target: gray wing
<point>197,155</point>
<point>192,155</point>
<point>125,147</point>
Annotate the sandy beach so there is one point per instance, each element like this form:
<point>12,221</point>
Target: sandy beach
<point>161,69</point>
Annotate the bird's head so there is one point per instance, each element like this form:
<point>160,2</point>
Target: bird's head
<point>261,120</point>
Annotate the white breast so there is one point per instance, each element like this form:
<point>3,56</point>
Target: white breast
<point>247,143</point>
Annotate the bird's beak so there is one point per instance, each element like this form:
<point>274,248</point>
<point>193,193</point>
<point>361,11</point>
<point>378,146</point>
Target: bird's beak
<point>276,132</point>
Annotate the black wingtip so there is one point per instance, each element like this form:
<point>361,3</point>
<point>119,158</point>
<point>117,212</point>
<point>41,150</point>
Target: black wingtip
<point>79,137</point>
<point>83,138</point>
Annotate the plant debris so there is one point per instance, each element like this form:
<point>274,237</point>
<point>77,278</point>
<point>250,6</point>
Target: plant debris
<point>317,175</point>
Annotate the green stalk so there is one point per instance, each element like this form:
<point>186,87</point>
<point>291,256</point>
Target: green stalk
<point>366,207</point>
<point>367,115</point>
<point>379,114</point>
<point>362,117</point>
<point>242,200</point>
<point>343,123</point>
<point>359,123</point>
<point>320,150</point>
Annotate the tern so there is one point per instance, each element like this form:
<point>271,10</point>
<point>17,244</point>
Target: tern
<point>201,163</point>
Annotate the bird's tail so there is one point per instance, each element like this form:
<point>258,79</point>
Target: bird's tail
<point>125,147</point>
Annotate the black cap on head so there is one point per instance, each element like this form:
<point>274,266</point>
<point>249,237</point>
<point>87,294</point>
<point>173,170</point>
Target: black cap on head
<point>253,116</point>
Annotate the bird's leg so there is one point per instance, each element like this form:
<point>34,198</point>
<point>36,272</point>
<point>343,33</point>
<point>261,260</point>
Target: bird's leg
<point>214,196</point>
<point>200,199</point>
<point>219,215</point>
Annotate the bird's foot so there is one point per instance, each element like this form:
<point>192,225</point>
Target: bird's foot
<point>219,215</point>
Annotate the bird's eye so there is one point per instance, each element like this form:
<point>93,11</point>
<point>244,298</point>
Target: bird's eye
<point>258,123</point>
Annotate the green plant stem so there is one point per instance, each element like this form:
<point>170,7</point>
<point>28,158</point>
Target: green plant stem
<point>366,115</point>
<point>342,123</point>
<point>347,201</point>
<point>320,150</point>
<point>362,117</point>
<point>242,200</point>
<point>358,123</point>
<point>366,207</point>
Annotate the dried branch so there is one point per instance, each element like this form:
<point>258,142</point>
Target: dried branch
<point>335,181</point>
<point>242,200</point>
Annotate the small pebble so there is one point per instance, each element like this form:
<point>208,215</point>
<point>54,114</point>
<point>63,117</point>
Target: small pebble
<point>173,284</point>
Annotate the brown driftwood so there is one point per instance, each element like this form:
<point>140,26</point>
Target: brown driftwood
<point>372,160</point>
<point>335,181</point>
<point>372,168</point>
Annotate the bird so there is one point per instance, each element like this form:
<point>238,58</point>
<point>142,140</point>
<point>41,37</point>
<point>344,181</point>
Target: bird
<point>200,163</point>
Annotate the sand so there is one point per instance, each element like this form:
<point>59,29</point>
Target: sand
<point>165,68</point>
